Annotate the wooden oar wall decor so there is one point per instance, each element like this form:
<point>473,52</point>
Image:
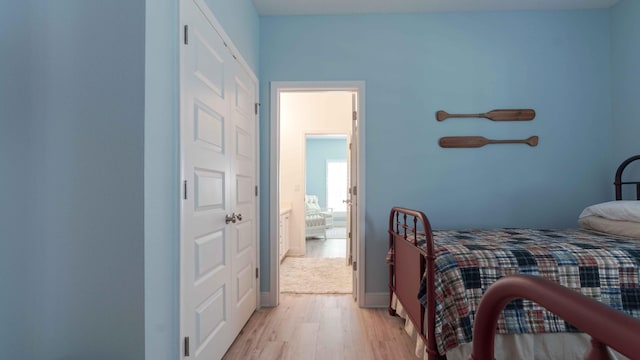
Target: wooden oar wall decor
<point>480,141</point>
<point>495,115</point>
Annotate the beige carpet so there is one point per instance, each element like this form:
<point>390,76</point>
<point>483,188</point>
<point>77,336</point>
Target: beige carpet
<point>315,276</point>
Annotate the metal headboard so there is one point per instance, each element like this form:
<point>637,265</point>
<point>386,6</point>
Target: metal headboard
<point>618,182</point>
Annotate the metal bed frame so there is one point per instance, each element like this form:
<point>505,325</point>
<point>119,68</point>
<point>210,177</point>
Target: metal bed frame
<point>410,262</point>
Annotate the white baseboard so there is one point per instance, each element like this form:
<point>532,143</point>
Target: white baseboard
<point>266,300</point>
<point>294,252</point>
<point>376,300</point>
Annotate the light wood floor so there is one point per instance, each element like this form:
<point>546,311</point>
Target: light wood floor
<point>321,327</point>
<point>330,248</point>
<point>335,247</point>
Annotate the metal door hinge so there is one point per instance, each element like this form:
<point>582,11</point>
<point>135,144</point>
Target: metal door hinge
<point>349,234</point>
<point>186,346</point>
<point>257,105</point>
<point>256,190</point>
<point>186,34</point>
<point>350,260</point>
<point>257,273</point>
<point>185,189</point>
<point>354,115</point>
<point>355,190</point>
<point>355,266</point>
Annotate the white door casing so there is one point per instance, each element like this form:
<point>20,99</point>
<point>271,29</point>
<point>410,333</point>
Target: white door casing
<point>218,143</point>
<point>271,298</point>
<point>352,230</point>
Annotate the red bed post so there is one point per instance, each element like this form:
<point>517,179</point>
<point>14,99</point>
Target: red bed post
<point>400,228</point>
<point>391,261</point>
<point>430,269</point>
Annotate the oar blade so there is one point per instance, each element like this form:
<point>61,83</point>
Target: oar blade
<point>463,141</point>
<point>511,115</point>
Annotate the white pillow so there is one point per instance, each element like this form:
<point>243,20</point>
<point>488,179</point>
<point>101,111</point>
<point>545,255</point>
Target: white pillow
<point>616,227</point>
<point>624,210</point>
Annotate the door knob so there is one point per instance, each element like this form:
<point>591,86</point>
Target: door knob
<point>239,217</point>
<point>230,218</point>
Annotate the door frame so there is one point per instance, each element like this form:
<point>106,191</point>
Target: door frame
<point>272,298</point>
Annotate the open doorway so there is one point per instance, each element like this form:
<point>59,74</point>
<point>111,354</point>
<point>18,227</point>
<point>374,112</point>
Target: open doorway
<point>314,130</point>
<point>315,185</point>
<point>327,182</point>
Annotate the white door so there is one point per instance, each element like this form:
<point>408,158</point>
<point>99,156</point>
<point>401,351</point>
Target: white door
<point>243,197</point>
<point>352,229</point>
<point>217,244</point>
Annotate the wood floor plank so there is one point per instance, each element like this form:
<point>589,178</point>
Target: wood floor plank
<point>330,344</point>
<point>330,248</point>
<point>321,327</point>
<point>303,346</point>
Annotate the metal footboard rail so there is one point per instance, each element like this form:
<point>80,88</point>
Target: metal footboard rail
<point>605,325</point>
<point>405,227</point>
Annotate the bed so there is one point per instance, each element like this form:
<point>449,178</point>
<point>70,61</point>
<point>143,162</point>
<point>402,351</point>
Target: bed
<point>437,278</point>
<point>607,327</point>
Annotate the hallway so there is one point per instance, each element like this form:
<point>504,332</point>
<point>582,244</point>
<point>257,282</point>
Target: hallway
<point>321,327</point>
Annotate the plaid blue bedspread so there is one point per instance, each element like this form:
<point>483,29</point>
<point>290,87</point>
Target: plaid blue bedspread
<point>605,268</point>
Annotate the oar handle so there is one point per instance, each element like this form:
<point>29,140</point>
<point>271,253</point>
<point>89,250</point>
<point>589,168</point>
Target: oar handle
<point>506,141</point>
<point>532,141</point>
<point>442,115</point>
<point>467,115</point>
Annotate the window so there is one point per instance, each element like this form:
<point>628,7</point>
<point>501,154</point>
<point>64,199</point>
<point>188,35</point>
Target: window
<point>337,185</point>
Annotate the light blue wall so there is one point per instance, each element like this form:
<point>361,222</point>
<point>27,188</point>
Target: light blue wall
<point>240,21</point>
<point>161,181</point>
<point>555,62</point>
<point>20,280</point>
<point>318,151</point>
<point>625,75</point>
<point>88,97</point>
<point>75,163</point>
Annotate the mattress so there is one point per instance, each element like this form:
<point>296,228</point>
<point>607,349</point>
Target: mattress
<point>566,346</point>
<point>605,268</point>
